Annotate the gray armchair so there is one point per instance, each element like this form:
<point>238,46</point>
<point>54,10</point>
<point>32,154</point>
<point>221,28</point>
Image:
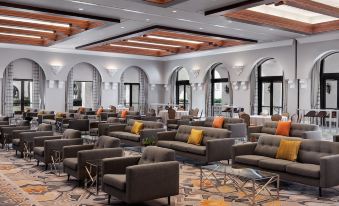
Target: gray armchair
<point>75,156</point>
<point>25,134</point>
<point>79,124</point>
<point>156,166</point>
<point>173,124</point>
<point>45,146</point>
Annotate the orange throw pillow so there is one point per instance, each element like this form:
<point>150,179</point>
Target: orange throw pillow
<point>99,111</point>
<point>124,114</point>
<point>283,128</point>
<point>218,122</point>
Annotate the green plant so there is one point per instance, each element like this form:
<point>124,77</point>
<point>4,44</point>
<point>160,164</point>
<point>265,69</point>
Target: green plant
<point>148,141</point>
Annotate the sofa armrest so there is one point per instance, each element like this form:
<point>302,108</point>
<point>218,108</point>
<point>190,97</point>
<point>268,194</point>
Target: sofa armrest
<point>58,145</point>
<point>238,130</point>
<point>183,122</point>
<point>172,121</point>
<point>116,127</point>
<point>162,180</point>
<point>243,149</point>
<point>166,136</point>
<point>199,123</point>
<point>329,171</point>
<point>255,129</point>
<point>118,165</point>
<point>29,136</point>
<point>39,141</point>
<point>72,150</point>
<point>4,123</point>
<point>147,133</point>
<point>219,149</point>
<point>314,135</point>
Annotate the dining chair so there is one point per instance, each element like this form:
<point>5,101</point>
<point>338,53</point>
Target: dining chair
<point>276,117</point>
<point>171,113</point>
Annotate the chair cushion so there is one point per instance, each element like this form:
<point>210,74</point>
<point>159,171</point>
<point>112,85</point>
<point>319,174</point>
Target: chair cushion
<point>39,150</point>
<point>288,150</point>
<point>195,137</point>
<point>180,146</point>
<point>115,180</point>
<point>71,163</point>
<point>183,147</point>
<point>125,135</point>
<point>16,141</point>
<point>283,128</point>
<point>274,164</point>
<point>250,159</point>
<point>308,170</point>
<point>165,144</point>
<point>196,149</point>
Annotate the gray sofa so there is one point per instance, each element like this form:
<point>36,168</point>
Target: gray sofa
<point>216,144</point>
<point>135,179</point>
<point>75,156</point>
<point>123,132</point>
<point>305,131</point>
<point>316,165</point>
<point>236,125</point>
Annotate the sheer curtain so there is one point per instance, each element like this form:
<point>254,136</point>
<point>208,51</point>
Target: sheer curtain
<point>7,91</point>
<point>122,95</point>
<point>69,90</point>
<point>39,79</point>
<point>173,85</point>
<point>143,96</point>
<point>285,95</point>
<point>96,89</point>
<point>315,85</point>
<point>254,90</point>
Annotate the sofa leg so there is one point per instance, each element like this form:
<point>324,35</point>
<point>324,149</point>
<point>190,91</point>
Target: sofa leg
<point>37,163</point>
<point>109,199</point>
<point>320,192</point>
<point>169,200</point>
<point>68,177</point>
<point>46,166</point>
<point>16,152</point>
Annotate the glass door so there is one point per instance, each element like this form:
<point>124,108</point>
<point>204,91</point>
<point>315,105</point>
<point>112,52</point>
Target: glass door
<point>277,96</point>
<point>183,94</point>
<point>331,93</point>
<point>271,98</point>
<point>266,98</point>
<point>22,94</point>
<point>132,91</point>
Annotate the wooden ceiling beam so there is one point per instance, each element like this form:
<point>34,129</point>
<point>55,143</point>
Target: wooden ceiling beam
<point>165,48</point>
<point>51,36</point>
<point>313,6</point>
<point>159,1</point>
<point>160,41</point>
<point>326,27</point>
<point>21,40</point>
<point>261,19</point>
<point>238,7</point>
<point>44,17</point>
<point>108,48</point>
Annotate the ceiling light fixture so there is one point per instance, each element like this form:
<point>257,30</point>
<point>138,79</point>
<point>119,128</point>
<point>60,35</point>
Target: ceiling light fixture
<point>80,9</point>
<point>81,2</point>
<point>34,21</point>
<point>155,44</point>
<point>20,35</point>
<point>187,20</point>
<point>174,11</point>
<point>122,27</point>
<point>173,39</point>
<point>220,26</point>
<point>135,47</point>
<point>26,29</point>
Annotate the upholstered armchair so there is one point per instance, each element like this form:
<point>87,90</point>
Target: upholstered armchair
<point>6,135</point>
<point>45,146</point>
<point>173,124</point>
<point>76,156</point>
<point>136,179</point>
<point>25,134</point>
<point>79,124</point>
<point>4,120</point>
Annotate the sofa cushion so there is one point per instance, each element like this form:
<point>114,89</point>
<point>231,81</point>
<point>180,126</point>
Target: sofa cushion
<point>257,135</point>
<point>71,163</point>
<point>196,149</point>
<point>311,151</point>
<point>250,159</point>
<point>297,130</point>
<point>115,180</point>
<point>269,127</point>
<point>274,164</point>
<point>208,122</point>
<point>180,146</point>
<point>39,150</point>
<point>308,170</point>
<point>16,141</point>
<point>165,144</point>
<point>125,135</point>
<point>173,126</point>
<point>183,134</point>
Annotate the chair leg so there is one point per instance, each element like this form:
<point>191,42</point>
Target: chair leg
<point>109,199</point>
<point>37,163</point>
<point>68,177</point>
<point>16,152</point>
<point>169,200</point>
<point>320,192</point>
<point>46,166</point>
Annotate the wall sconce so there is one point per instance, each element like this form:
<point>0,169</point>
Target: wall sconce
<point>239,68</point>
<point>56,68</point>
<point>194,87</point>
<point>200,86</point>
<point>235,85</point>
<point>153,87</point>
<point>291,83</point>
<point>107,85</point>
<point>243,85</point>
<point>166,87</point>
<point>115,86</point>
<point>61,84</point>
<point>196,72</point>
<point>303,83</point>
<point>111,70</point>
<point>51,83</point>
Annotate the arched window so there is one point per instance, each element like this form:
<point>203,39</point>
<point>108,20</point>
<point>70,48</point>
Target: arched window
<point>183,89</point>
<point>270,87</point>
<point>219,86</point>
<point>329,82</point>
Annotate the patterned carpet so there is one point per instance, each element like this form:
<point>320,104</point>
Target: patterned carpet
<point>23,183</point>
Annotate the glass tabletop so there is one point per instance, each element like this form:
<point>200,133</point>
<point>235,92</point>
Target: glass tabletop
<point>96,162</point>
<point>249,173</point>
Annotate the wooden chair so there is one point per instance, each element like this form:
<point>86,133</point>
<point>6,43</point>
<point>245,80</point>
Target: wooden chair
<point>295,118</point>
<point>286,114</point>
<point>171,113</point>
<point>311,115</point>
<point>276,117</point>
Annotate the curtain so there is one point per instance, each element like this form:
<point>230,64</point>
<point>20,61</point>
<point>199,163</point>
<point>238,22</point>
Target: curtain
<point>96,89</point>
<point>122,95</point>
<point>230,88</point>
<point>208,93</point>
<point>38,76</point>
<point>285,95</point>
<point>315,86</point>
<point>254,90</point>
<point>7,91</point>
<point>69,90</point>
<point>173,85</point>
<point>143,96</point>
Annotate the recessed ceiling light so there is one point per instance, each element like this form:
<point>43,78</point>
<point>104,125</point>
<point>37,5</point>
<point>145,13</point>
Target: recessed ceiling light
<point>147,19</point>
<point>238,29</point>
<point>201,28</point>
<point>229,21</point>
<point>81,2</point>
<point>20,35</point>
<point>135,47</point>
<point>174,39</point>
<point>174,11</point>
<point>271,29</point>
<point>155,44</point>
<point>80,9</point>
<point>33,21</point>
<point>122,27</point>
<point>26,29</point>
<point>220,26</point>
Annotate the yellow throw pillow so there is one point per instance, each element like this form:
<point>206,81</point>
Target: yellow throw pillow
<point>195,137</point>
<point>288,150</point>
<point>59,114</point>
<point>137,127</point>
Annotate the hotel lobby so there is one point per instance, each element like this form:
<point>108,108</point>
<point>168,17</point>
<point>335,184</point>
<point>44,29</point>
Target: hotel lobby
<point>169,102</point>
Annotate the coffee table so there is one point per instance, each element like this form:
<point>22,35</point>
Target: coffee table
<point>93,173</point>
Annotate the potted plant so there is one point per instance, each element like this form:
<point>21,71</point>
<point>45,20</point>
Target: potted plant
<point>148,141</point>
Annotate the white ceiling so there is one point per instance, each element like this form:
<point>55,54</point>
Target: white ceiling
<point>135,14</point>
